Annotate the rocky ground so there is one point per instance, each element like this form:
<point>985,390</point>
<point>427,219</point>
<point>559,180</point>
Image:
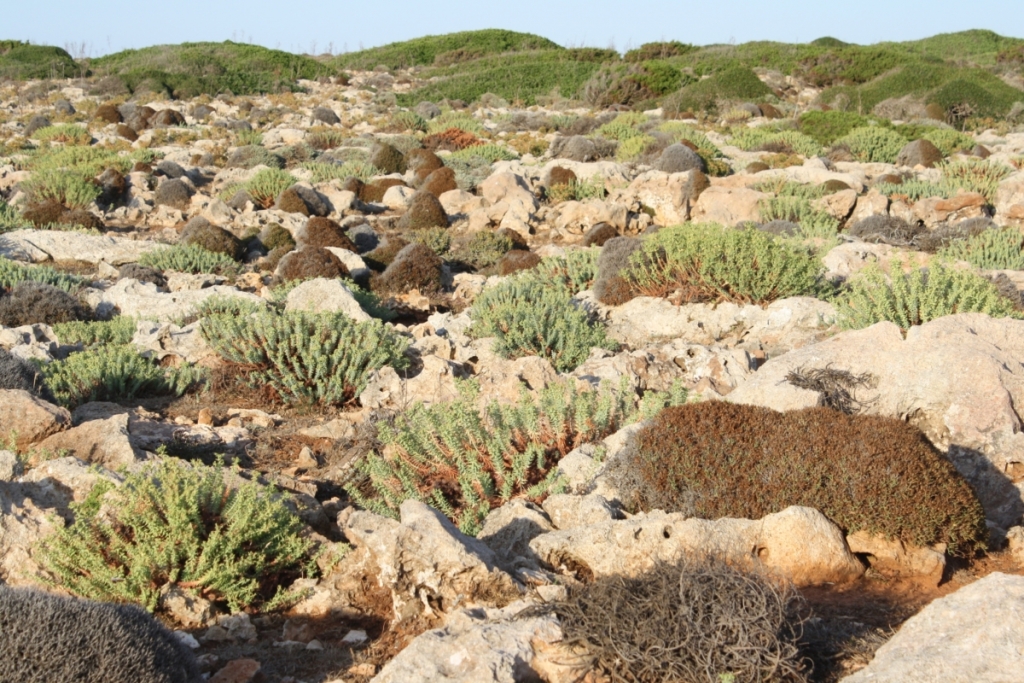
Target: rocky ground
<point>411,597</point>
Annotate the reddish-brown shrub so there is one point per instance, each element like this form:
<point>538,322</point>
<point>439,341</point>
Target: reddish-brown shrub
<point>517,260</point>
<point>309,263</point>
<point>416,266</point>
<point>323,232</point>
<point>374,192</point>
<point>451,140</point>
<point>439,181</point>
<point>865,472</point>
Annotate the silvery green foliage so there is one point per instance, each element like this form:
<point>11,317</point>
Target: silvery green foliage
<point>12,272</point>
<point>188,258</point>
<point>990,250</point>
<point>305,357</point>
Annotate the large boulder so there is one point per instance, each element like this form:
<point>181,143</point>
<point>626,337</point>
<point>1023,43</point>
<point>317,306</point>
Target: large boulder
<point>958,378</point>
<point>142,299</point>
<point>29,418</point>
<point>100,442</point>
<point>728,205</point>
<point>322,295</point>
<point>974,635</point>
<point>678,158</point>
<point>799,543</point>
<point>919,153</point>
<point>36,246</point>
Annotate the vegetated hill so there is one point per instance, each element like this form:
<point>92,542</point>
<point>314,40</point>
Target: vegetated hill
<point>449,48</point>
<point>22,61</point>
<point>189,69</point>
<point>976,46</point>
<point>520,76</point>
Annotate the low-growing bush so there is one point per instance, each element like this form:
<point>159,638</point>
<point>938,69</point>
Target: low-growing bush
<point>990,250</point>
<point>948,140</point>
<point>12,272</point>
<point>65,187</point>
<point>733,83</point>
<point>914,298</point>
<point>188,258</point>
<point>700,620</point>
<point>231,540</point>
<point>114,373</point>
<point>303,357</point>
<point>67,133</point>
<point>825,127</point>
<point>29,303</point>
<point>915,189</point>
<point>873,144</point>
<point>706,262</point>
<point>267,184</point>
<point>490,153</point>
<point>18,373</point>
<point>768,140</point>
<point>322,172</point>
<point>577,190</point>
<point>865,472</point>
<point>529,317</point>
<point>813,223</point>
<point>118,331</point>
<point>973,175</point>
<point>466,461</point>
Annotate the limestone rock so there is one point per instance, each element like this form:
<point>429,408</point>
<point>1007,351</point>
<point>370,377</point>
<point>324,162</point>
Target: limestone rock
<point>322,295</point>
<point>799,543</point>
<point>29,417</point>
<point>28,513</point>
<point>36,246</point>
<point>101,442</point>
<point>163,340</point>
<point>974,635</point>
<point>144,300</point>
<point>509,529</point>
<point>934,210</point>
<point>728,206</point>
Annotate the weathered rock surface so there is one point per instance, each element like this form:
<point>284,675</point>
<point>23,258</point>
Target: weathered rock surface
<point>100,442</point>
<point>29,418</point>
<point>144,300</point>
<point>974,635</point>
<point>36,246</point>
<point>799,543</point>
<point>321,295</point>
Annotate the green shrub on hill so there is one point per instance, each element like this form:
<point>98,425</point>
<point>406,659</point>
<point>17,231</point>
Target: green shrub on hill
<point>873,144</point>
<point>21,62</point>
<point>825,127</point>
<point>450,48</point>
<point>735,83</point>
<point>191,69</point>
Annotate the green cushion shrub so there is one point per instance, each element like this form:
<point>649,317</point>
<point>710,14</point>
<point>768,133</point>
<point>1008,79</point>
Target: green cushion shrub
<point>825,127</point>
<point>874,144</point>
<point>171,522</point>
<point>188,258</point>
<point>865,472</point>
<point>990,250</point>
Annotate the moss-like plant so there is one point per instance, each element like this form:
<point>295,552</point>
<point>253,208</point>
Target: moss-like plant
<point>706,262</point>
<point>466,462</point>
<point>990,250</point>
<point>528,317</point>
<point>267,184</point>
<point>188,258</point>
<point>865,472</point>
<point>914,298</point>
<point>304,357</point>
<point>114,373</point>
<point>874,143</point>
<point>231,540</point>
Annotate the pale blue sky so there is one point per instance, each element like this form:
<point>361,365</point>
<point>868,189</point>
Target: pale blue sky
<point>96,28</point>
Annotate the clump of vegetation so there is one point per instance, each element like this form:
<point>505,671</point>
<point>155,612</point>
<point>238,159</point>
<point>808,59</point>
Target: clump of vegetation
<point>490,153</point>
<point>22,61</point>
<point>66,187</point>
<point>702,619</point>
<point>466,461</point>
<point>302,357</point>
<point>18,373</point>
<point>728,84</point>
<point>576,270</point>
<point>716,459</point>
<point>973,175</point>
<point>267,184</point>
<point>67,133</point>
<point>30,302</point>
<point>915,190</point>
<point>188,258</point>
<point>172,522</point>
<point>577,190</point>
<point>948,140</point>
<point>914,298</point>
<point>12,272</point>
<point>321,172</point>
<point>706,262</point>
<point>989,250</point>
<point>529,317</point>
<point>114,373</point>
<point>813,223</point>
<point>117,331</point>
<point>767,140</point>
<point>825,127</point>
<point>430,49</point>
<point>873,144</point>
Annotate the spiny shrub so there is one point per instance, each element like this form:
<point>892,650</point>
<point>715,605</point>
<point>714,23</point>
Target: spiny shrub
<point>267,184</point>
<point>181,523</point>
<point>87,162</point>
<point>577,190</point>
<point>65,187</point>
<point>701,620</point>
<point>973,175</point>
<point>946,234</point>
<point>12,272</point>
<point>529,317</point>
<point>914,298</point>
<point>406,120</point>
<point>10,218</point>
<point>321,172</point>
<point>29,303</point>
<point>624,126</point>
<point>706,262</point>
<point>633,148</point>
<point>55,639</point>
<point>114,373</point>
<point>765,139</point>
<point>68,133</point>
<point>484,249</point>
<point>813,222</point>
<point>865,472</point>
<point>874,144</point>
<point>304,357</point>
<point>782,186</point>
<point>990,250</point>
<point>915,190</point>
<point>891,230</point>
<point>18,373</point>
<point>466,461</point>
<point>576,270</point>
<point>491,153</point>
<point>188,258</point>
<point>118,331</point>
